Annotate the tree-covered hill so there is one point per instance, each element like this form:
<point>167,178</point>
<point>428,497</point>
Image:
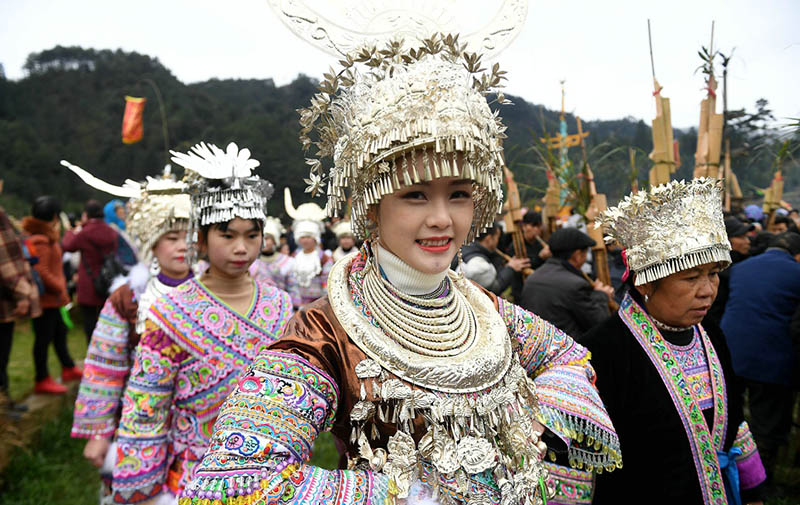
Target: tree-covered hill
<point>70,106</point>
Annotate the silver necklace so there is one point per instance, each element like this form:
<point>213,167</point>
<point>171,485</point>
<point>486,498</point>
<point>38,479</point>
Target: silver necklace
<point>429,326</point>
<point>665,327</point>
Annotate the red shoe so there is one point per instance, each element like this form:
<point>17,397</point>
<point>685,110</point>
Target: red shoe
<point>48,386</point>
<point>72,374</point>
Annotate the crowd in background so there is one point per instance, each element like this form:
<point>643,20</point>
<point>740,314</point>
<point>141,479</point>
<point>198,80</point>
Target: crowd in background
<point>49,259</point>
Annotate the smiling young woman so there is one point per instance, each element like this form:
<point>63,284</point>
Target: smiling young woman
<point>434,389</point>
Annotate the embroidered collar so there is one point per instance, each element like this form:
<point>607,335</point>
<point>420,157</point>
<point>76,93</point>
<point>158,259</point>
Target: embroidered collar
<point>704,442</point>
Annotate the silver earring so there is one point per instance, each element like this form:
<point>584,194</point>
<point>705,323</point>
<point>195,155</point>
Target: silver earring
<point>155,268</point>
<point>646,298</point>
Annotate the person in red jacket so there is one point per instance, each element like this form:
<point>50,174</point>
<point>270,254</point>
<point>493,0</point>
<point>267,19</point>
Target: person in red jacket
<point>94,239</point>
<point>43,227</point>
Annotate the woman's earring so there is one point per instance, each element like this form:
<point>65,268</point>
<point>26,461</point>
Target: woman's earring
<point>155,268</point>
<point>646,298</point>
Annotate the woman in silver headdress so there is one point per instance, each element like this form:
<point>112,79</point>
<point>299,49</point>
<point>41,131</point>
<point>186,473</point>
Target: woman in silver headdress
<point>437,390</point>
<point>199,336</point>
<point>157,222</point>
<point>667,379</point>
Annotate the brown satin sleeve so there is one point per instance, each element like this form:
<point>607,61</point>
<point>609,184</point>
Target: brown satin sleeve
<point>315,334</point>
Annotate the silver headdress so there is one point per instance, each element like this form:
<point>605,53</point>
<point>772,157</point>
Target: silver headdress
<point>670,228</point>
<point>273,228</point>
<point>374,122</point>
<point>307,217</point>
<point>156,206</point>
<point>222,186</point>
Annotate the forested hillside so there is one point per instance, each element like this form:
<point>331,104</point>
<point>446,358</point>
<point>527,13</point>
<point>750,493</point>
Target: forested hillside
<point>70,106</point>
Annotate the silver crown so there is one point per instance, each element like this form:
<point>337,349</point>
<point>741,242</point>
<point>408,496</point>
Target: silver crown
<point>389,106</point>
<point>670,228</point>
<point>156,206</point>
<point>222,186</point>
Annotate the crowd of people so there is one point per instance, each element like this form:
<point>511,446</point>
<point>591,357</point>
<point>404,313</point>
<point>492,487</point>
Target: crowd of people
<point>221,343</point>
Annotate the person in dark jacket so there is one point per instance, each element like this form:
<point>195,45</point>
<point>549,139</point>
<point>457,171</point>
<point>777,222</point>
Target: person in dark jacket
<point>559,292</point>
<point>483,265</point>
<point>667,379</point>
<point>537,252</point>
<point>764,297</point>
<point>43,229</point>
<point>740,250</point>
<point>95,240</point>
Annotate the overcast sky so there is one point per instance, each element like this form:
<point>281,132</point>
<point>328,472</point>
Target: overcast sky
<point>599,47</point>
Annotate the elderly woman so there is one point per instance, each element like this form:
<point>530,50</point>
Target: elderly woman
<point>435,388</point>
<point>667,379</point>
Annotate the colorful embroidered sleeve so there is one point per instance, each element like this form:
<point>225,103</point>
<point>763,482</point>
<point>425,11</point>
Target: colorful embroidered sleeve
<point>105,368</point>
<point>569,404</point>
<point>142,440</point>
<point>751,469</point>
<point>263,437</point>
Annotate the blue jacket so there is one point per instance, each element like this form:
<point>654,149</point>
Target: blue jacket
<point>764,295</point>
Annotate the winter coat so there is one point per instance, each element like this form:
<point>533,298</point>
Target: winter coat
<point>557,292</point>
<point>43,243</point>
<point>95,240</point>
<point>764,295</point>
<point>16,281</point>
<point>486,268</point>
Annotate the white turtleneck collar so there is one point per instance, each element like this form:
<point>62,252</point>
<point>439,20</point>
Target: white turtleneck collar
<point>406,278</point>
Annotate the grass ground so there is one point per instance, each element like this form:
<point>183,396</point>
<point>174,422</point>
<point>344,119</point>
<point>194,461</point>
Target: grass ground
<point>20,365</point>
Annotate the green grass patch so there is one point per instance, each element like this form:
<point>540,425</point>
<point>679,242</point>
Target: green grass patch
<point>20,364</point>
<point>51,469</point>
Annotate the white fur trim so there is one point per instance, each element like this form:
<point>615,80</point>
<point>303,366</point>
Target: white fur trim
<point>110,460</point>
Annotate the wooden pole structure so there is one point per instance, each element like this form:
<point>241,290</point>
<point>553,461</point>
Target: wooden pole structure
<point>597,205</point>
<point>709,131</point>
<point>665,153</point>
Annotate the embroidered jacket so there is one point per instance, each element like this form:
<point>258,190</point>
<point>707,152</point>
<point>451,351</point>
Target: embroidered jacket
<point>276,270</point>
<point>106,367</point>
<point>680,432</point>
<point>188,360</point>
<point>317,379</point>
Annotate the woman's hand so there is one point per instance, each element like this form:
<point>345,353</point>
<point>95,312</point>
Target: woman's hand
<point>95,450</point>
<point>541,447</point>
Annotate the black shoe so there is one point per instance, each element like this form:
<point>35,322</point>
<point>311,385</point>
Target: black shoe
<point>7,405</point>
<point>16,407</point>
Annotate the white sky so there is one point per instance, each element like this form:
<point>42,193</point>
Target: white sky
<point>599,47</point>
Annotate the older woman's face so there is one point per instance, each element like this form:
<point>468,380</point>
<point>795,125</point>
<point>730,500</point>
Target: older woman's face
<point>683,298</point>
<point>425,224</point>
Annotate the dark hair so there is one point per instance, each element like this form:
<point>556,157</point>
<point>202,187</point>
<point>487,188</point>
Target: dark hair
<point>45,208</point>
<point>788,241</point>
<point>532,217</point>
<point>564,255</point>
<point>490,231</point>
<point>94,209</point>
<point>783,219</point>
<point>760,243</point>
<point>223,227</point>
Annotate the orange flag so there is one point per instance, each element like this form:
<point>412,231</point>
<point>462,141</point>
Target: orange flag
<point>132,127</point>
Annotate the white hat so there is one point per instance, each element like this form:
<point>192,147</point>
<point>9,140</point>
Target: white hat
<point>307,229</point>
